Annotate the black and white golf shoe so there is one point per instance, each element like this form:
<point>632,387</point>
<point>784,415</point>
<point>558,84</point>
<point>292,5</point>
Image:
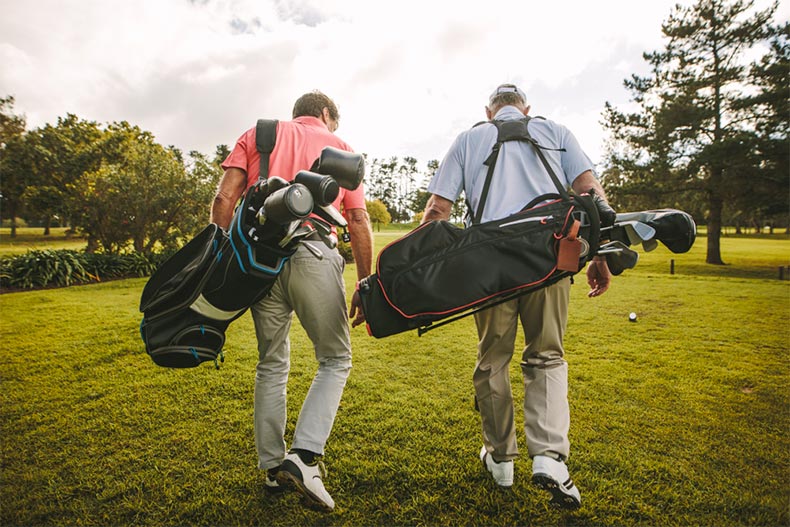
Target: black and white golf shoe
<point>270,485</point>
<point>552,475</point>
<point>307,480</point>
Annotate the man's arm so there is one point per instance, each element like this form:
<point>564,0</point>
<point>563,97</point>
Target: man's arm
<point>587,181</point>
<point>361,240</point>
<point>598,275</point>
<point>438,208</point>
<point>229,190</point>
<point>362,249</point>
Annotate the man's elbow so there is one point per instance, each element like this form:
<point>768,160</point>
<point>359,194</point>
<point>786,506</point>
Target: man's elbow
<point>358,218</point>
<point>222,204</point>
<point>221,201</point>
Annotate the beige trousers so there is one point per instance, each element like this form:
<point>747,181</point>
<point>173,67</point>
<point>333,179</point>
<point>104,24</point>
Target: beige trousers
<point>544,316</point>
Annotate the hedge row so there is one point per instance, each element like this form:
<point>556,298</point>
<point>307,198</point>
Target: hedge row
<point>58,268</point>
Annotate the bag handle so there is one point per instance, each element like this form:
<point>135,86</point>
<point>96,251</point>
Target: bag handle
<point>265,139</point>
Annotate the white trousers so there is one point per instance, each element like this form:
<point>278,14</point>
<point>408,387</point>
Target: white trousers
<point>315,291</point>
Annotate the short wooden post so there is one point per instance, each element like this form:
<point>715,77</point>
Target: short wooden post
<point>672,266</point>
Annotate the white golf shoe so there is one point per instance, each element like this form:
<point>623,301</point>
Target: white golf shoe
<point>306,479</point>
<point>552,475</point>
<point>502,471</point>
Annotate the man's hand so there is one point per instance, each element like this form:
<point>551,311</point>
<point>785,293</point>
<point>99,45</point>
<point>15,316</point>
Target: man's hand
<point>598,276</point>
<point>356,314</point>
<point>438,208</point>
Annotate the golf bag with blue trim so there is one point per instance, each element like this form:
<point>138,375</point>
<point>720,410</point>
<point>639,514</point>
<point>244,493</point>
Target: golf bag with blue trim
<point>192,298</point>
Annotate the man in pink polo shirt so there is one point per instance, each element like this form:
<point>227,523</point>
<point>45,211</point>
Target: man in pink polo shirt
<point>310,287</point>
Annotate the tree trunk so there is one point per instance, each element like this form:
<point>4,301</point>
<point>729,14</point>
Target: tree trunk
<point>93,244</point>
<point>714,228</point>
<point>46,226</point>
<point>12,211</point>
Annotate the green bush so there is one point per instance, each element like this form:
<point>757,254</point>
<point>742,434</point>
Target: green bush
<point>42,268</point>
<point>59,268</point>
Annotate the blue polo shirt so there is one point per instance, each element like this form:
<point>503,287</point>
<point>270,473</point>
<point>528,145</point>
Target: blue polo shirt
<point>519,175</point>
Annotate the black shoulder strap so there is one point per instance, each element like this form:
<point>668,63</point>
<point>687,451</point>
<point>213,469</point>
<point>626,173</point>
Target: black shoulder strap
<point>514,131</point>
<point>265,139</point>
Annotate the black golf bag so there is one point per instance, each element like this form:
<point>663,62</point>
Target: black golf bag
<point>191,299</point>
<point>440,272</point>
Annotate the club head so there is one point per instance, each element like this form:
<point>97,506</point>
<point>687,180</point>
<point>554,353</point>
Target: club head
<point>649,245</point>
<point>620,258</point>
<point>314,251</point>
<point>320,226</point>
<point>610,247</point>
<point>674,228</point>
<point>324,231</point>
<point>638,232</point>
<point>302,231</point>
<point>330,214</point>
<point>289,233</point>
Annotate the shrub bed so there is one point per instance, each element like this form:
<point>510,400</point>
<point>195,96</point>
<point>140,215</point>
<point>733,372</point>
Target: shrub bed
<point>59,268</point>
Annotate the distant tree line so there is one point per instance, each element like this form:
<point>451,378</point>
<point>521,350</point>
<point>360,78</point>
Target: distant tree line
<point>401,187</point>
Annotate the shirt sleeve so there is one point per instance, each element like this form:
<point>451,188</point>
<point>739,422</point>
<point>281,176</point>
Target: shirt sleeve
<point>574,161</point>
<point>448,181</point>
<point>354,199</point>
<point>238,156</point>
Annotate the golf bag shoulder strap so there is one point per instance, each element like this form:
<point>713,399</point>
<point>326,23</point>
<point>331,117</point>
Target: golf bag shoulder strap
<point>516,130</point>
<point>265,139</point>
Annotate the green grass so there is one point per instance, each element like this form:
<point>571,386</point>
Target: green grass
<point>28,238</point>
<point>678,419</point>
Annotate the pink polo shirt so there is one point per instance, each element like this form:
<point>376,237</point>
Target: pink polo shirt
<point>299,143</point>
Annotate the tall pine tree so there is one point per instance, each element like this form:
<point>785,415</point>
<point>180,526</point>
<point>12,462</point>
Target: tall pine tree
<point>690,140</point>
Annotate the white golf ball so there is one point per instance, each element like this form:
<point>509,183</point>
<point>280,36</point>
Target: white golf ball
<point>632,317</point>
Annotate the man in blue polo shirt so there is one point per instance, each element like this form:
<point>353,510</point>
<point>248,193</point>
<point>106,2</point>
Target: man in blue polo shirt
<point>519,177</point>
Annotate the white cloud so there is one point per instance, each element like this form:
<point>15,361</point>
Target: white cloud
<point>407,76</point>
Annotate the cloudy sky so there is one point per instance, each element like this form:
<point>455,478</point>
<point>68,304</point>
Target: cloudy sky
<point>408,75</point>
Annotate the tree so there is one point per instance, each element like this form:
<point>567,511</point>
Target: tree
<point>378,213</point>
<point>11,125</point>
<point>692,124</point>
<point>62,153</point>
<point>45,200</point>
<point>141,193</point>
<point>13,153</point>
<point>382,184</point>
<point>392,182</point>
<point>205,174</point>
<point>770,107</point>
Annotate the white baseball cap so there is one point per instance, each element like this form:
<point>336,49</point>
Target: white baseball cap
<point>508,88</point>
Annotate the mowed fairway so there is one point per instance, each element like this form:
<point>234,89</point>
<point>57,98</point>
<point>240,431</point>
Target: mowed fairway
<point>680,418</point>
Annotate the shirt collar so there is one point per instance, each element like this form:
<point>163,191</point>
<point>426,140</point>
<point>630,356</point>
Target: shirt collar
<point>310,120</point>
<point>507,113</point>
